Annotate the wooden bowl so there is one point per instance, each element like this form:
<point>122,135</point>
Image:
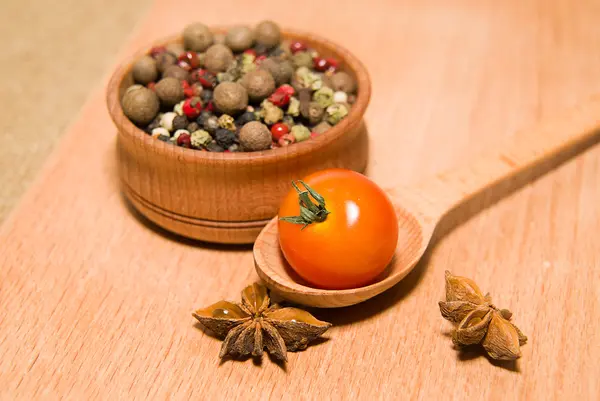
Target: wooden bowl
<point>229,197</point>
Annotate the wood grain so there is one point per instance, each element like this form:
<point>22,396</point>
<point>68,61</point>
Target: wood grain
<point>96,305</point>
<point>229,197</point>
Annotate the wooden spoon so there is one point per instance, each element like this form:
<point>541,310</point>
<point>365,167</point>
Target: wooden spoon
<point>420,207</point>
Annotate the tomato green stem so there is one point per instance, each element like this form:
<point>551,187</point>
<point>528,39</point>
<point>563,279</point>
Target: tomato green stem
<point>310,211</point>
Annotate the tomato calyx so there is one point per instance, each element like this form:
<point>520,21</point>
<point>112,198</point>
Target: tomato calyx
<point>312,210</point>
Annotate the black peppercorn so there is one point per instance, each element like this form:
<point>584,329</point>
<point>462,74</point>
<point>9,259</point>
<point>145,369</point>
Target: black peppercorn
<point>211,124</point>
<point>214,147</point>
<point>245,118</point>
<point>179,122</point>
<point>224,137</point>
<point>203,117</point>
<point>193,126</point>
<point>206,96</point>
<point>164,138</point>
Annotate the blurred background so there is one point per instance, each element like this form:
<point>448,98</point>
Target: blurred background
<point>53,54</point>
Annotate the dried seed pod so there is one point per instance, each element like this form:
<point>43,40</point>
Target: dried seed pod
<point>455,311</point>
<point>140,105</point>
<point>259,84</point>
<point>197,37</point>
<point>218,58</point>
<point>268,34</point>
<point>462,289</point>
<point>144,70</point>
<point>239,38</point>
<point>502,339</point>
<point>473,327</point>
<point>169,91</point>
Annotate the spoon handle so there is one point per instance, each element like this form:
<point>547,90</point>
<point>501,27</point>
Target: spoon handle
<point>575,129</point>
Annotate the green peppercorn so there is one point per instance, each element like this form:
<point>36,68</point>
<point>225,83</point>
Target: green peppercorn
<point>294,107</point>
<point>321,127</point>
<point>144,70</point>
<point>218,58</point>
<point>197,37</point>
<point>169,91</point>
<point>239,38</point>
<point>230,97</point>
<point>335,113</point>
<point>255,136</point>
<point>342,81</point>
<point>140,105</point>
<point>300,133</point>
<point>324,96</point>
<point>227,122</point>
<point>176,71</point>
<point>302,59</point>
<point>200,138</point>
<point>259,84</point>
<point>268,34</point>
<point>313,112</point>
<point>270,113</point>
<point>225,77</point>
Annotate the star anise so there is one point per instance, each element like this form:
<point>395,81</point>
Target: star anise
<point>479,321</point>
<point>253,325</point>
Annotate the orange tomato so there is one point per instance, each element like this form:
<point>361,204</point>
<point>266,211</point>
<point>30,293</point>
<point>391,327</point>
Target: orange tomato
<point>356,240</point>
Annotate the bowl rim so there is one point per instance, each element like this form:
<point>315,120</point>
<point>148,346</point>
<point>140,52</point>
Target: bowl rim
<point>127,128</point>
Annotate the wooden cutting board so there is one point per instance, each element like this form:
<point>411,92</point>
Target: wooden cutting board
<point>96,303</point>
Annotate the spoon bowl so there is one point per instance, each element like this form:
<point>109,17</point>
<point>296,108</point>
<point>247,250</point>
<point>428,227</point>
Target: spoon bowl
<point>420,207</point>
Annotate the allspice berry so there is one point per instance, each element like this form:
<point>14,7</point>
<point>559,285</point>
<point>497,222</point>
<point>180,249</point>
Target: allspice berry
<point>175,49</point>
<point>281,71</point>
<point>239,38</point>
<point>342,81</point>
<point>255,136</point>
<point>176,71</point>
<point>259,84</point>
<point>218,58</point>
<point>230,97</point>
<point>169,91</point>
<point>165,60</point>
<point>197,37</point>
<point>140,105</point>
<point>268,34</point>
<point>144,70</point>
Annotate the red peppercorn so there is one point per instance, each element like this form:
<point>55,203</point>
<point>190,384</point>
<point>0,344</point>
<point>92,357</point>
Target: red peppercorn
<point>286,140</point>
<point>184,140</point>
<point>191,58</point>
<point>184,64</point>
<point>279,99</point>
<point>260,58</point>
<point>297,47</point>
<point>278,130</point>
<point>210,107</point>
<point>156,50</point>
<point>192,108</point>
<point>332,64</point>
<point>287,89</point>
<point>250,51</point>
<point>320,64</point>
